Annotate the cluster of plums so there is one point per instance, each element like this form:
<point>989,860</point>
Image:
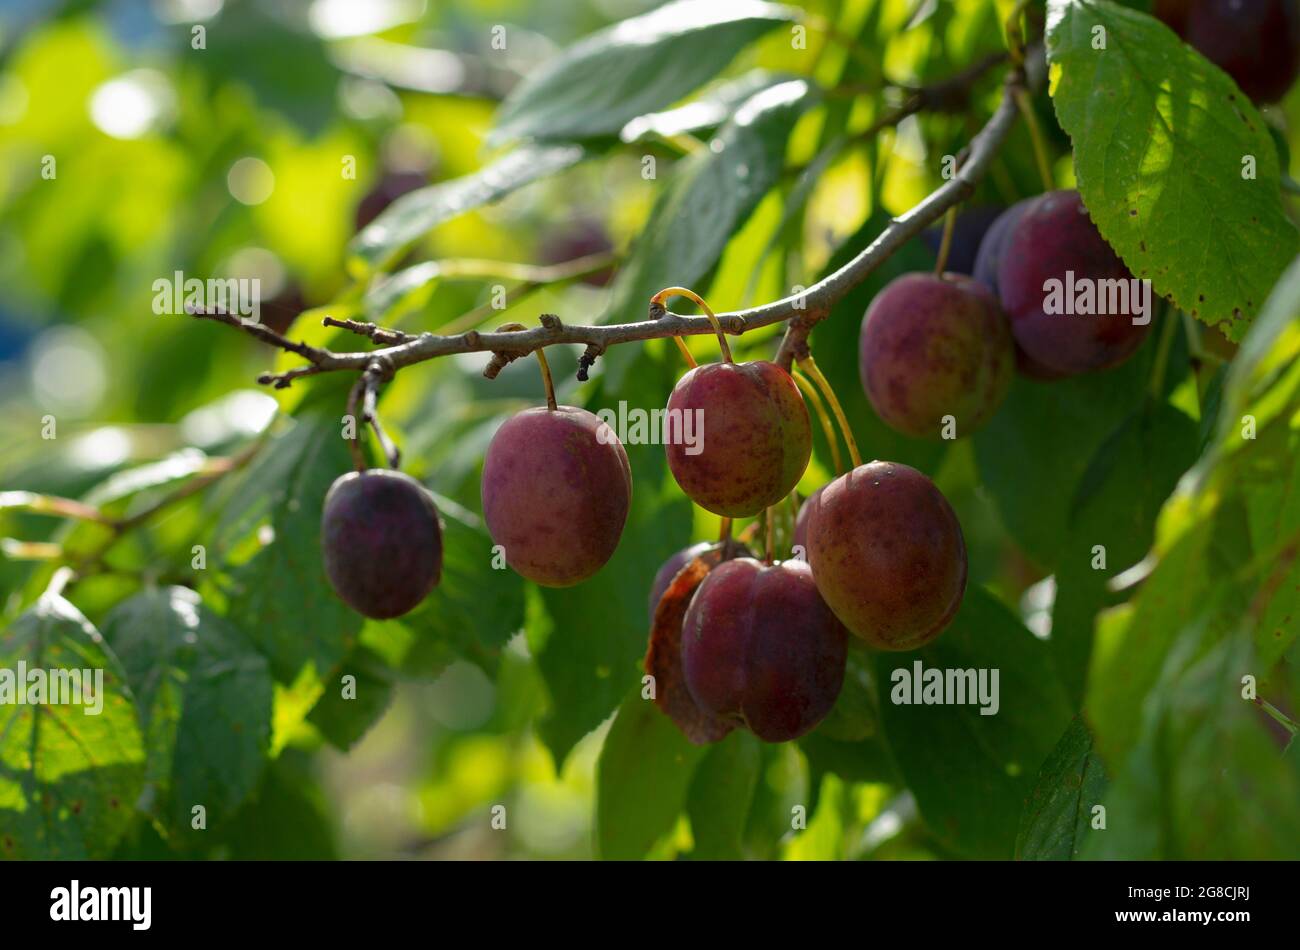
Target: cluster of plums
<point>1256,42</point>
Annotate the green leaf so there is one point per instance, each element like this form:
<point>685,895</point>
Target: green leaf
<point>971,772</point>
<point>706,111</point>
<point>204,698</point>
<point>1058,816</point>
<point>632,68</point>
<point>414,215</point>
<point>642,779</point>
<point>1160,136</point>
<point>288,817</point>
<point>712,193</point>
<point>346,711</point>
<point>281,597</point>
<point>69,776</point>
<point>720,795</point>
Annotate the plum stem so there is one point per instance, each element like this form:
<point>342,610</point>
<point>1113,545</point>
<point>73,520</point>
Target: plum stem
<point>945,243</point>
<point>686,352</point>
<point>1036,137</point>
<point>658,301</point>
<point>769,515</point>
<point>819,410</point>
<point>547,382</point>
<point>809,366</point>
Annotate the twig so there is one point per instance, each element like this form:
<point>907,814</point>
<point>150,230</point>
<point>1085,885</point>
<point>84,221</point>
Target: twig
<point>801,311</point>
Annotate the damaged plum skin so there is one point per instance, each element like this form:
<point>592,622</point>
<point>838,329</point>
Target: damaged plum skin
<point>1053,237</point>
<point>556,492</point>
<point>669,569</point>
<point>757,437</point>
<point>932,347</point>
<point>381,542</point>
<point>888,555</point>
<point>760,646</point>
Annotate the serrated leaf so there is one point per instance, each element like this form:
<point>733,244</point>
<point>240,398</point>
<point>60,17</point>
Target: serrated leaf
<point>1058,815</point>
<point>69,777</point>
<point>1160,136</point>
<point>204,698</point>
<point>971,772</point>
<point>642,777</point>
<point>347,710</point>
<point>416,213</point>
<point>632,68</point>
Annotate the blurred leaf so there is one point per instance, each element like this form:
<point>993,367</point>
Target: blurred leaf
<point>69,778</point>
<point>1058,815</point>
<point>287,818</point>
<point>281,597</point>
<point>642,779</point>
<point>710,109</point>
<point>345,719</point>
<point>204,698</point>
<point>634,67</point>
<point>1183,128</point>
<point>720,795</point>
<point>415,214</point>
<point>971,772</point>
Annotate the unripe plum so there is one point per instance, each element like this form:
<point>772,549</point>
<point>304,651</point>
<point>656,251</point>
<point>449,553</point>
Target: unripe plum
<point>1256,42</point>
<point>888,555</point>
<point>381,542</point>
<point>556,492</point>
<point>933,347</point>
<point>1055,240</point>
<point>760,647</point>
<point>757,438</point>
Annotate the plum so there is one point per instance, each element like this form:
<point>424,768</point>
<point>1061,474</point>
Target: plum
<point>664,576</point>
<point>888,555</point>
<point>932,347</point>
<point>556,492</point>
<point>800,538</point>
<point>756,436</point>
<point>761,648</point>
<point>993,244</point>
<point>1256,42</point>
<point>381,542</point>
<point>1054,240</point>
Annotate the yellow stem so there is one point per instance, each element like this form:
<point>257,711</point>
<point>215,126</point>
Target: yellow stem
<point>945,245</point>
<point>819,410</point>
<point>547,382</point>
<point>667,292</point>
<point>809,366</point>
<point>686,352</point>
<point>1036,136</point>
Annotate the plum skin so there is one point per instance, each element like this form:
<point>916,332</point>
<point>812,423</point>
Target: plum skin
<point>556,491</point>
<point>760,646</point>
<point>994,243</point>
<point>935,346</point>
<point>1055,235</point>
<point>757,437</point>
<point>381,542</point>
<point>888,555</point>
<point>1256,43</point>
<point>670,569</point>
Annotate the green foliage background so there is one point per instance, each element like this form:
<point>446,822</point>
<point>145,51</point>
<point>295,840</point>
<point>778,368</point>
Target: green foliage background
<point>1120,687</point>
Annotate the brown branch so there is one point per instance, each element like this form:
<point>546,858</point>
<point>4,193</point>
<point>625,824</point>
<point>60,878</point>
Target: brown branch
<point>802,311</point>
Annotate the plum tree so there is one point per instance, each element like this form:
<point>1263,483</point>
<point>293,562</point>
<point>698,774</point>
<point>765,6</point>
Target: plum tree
<point>556,491</point>
<point>757,438</point>
<point>1256,42</point>
<point>932,347</point>
<point>381,542</point>
<point>1054,239</point>
<point>888,555</point>
<point>760,646</point>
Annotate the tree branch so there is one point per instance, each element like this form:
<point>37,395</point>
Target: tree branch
<point>802,311</point>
